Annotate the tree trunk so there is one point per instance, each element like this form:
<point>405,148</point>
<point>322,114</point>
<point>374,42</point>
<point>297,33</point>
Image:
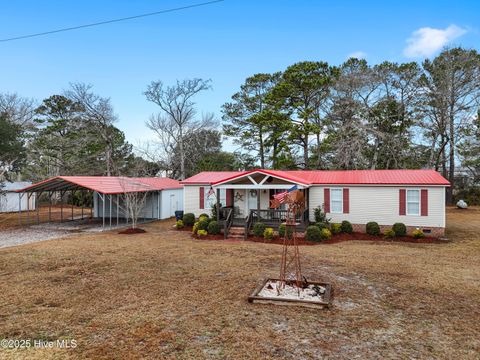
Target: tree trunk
<point>451,155</point>
<point>182,155</point>
<point>261,151</point>
<point>305,151</point>
<point>319,154</point>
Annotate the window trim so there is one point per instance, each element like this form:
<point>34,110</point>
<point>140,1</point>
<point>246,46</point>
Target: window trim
<point>331,200</point>
<point>419,202</point>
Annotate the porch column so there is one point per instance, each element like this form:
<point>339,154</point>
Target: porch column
<point>218,205</point>
<point>259,192</point>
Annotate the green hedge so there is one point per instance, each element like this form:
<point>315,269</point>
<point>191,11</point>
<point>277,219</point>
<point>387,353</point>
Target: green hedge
<point>188,219</point>
<point>346,227</point>
<point>400,229</point>
<point>213,227</point>
<point>373,228</point>
<point>313,233</point>
<point>259,228</point>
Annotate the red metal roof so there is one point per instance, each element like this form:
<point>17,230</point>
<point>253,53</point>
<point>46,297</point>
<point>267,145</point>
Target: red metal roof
<point>209,177</point>
<point>103,184</point>
<point>332,177</point>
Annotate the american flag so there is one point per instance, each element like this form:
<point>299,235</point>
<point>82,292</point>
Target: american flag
<point>281,196</point>
<point>210,192</point>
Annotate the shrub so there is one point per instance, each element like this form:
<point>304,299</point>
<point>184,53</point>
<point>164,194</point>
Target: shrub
<point>188,219</point>
<point>268,234</point>
<point>259,228</point>
<point>203,223</point>
<point>322,225</point>
<point>389,233</point>
<point>336,228</point>
<point>179,224</point>
<point>213,227</point>
<point>204,215</point>
<point>283,228</point>
<point>325,234</point>
<point>346,227</point>
<point>313,233</point>
<point>195,228</point>
<point>320,215</point>
<point>418,234</point>
<point>373,228</point>
<point>400,229</point>
<point>202,233</point>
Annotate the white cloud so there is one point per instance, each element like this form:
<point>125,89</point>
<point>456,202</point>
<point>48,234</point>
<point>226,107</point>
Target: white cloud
<point>357,54</point>
<point>426,41</point>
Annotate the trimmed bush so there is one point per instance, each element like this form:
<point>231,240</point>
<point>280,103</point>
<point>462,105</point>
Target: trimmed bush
<point>346,227</point>
<point>179,224</point>
<point>336,228</point>
<point>213,227</point>
<point>322,225</point>
<point>202,233</point>
<point>259,228</point>
<point>325,234</point>
<point>373,228</point>
<point>320,215</point>
<point>188,219</point>
<point>195,228</point>
<point>313,233</point>
<point>282,228</point>
<point>204,215</point>
<point>389,233</point>
<point>400,229</point>
<point>203,223</point>
<point>268,234</point>
<point>418,234</point>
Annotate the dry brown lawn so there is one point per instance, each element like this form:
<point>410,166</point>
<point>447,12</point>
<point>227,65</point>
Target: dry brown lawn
<point>162,295</point>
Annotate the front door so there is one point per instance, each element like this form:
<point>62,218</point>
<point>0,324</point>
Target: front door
<point>252,200</point>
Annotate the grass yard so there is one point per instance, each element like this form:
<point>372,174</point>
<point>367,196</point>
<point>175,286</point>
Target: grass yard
<point>164,295</point>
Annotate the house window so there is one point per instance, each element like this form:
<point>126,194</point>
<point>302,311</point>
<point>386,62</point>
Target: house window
<point>336,200</point>
<point>211,199</point>
<point>413,202</point>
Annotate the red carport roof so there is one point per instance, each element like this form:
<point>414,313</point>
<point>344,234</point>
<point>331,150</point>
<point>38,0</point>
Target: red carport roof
<point>332,177</point>
<point>103,184</point>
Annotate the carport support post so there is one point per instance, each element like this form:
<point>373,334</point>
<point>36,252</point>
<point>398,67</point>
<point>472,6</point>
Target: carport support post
<point>61,206</point>
<point>37,195</point>
<point>49,206</point>
<point>103,210</point>
<point>28,208</point>
<point>118,207</point>
<point>20,195</point>
<point>153,205</point>
<point>110,196</point>
<point>218,205</point>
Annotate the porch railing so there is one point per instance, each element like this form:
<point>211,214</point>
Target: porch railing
<point>272,217</point>
<point>227,224</point>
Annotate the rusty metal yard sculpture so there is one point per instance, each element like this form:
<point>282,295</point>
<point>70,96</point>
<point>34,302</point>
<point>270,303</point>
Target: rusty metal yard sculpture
<point>290,266</point>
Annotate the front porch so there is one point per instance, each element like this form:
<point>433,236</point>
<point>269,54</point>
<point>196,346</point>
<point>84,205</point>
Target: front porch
<point>247,199</point>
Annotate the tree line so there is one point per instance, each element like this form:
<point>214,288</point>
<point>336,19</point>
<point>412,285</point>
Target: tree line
<point>314,115</point>
<point>72,133</point>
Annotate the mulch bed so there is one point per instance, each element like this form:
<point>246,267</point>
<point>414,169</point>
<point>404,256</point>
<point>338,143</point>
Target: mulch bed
<point>131,231</point>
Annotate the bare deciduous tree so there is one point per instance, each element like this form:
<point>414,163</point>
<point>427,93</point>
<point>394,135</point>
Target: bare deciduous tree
<point>177,118</point>
<point>99,112</point>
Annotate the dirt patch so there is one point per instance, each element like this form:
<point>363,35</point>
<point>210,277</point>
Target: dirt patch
<point>131,231</point>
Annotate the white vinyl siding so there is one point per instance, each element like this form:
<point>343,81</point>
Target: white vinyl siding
<point>413,202</point>
<point>381,204</point>
<point>336,200</point>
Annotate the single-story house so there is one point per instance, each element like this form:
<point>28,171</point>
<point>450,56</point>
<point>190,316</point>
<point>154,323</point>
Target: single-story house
<point>10,201</point>
<point>413,197</point>
<point>163,196</point>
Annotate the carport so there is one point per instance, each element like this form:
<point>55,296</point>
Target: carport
<point>106,193</point>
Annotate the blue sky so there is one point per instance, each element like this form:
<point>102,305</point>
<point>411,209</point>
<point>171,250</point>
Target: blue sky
<point>225,42</point>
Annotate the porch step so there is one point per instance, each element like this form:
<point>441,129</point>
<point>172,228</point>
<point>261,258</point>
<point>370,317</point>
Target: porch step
<point>236,232</point>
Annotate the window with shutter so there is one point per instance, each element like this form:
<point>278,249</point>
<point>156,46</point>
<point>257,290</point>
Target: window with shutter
<point>336,200</point>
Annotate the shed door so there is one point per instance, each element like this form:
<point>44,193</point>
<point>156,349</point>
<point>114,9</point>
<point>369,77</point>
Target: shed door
<point>173,204</point>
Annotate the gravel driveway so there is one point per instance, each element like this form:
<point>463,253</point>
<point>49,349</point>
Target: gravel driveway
<point>20,236</point>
